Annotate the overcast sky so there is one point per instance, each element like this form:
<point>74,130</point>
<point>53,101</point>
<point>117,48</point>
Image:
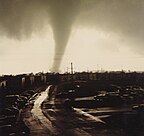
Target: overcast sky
<point>43,35</point>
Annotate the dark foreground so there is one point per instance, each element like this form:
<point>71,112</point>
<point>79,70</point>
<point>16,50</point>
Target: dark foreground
<point>51,117</point>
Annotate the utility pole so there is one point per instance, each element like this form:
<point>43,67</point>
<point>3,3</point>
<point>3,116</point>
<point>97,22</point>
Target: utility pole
<point>71,68</point>
<point>72,78</point>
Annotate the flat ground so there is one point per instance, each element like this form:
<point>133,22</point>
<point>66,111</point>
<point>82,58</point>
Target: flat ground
<point>49,117</point>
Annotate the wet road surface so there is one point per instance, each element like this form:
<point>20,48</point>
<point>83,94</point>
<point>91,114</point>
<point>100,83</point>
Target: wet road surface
<point>38,114</point>
<point>55,121</point>
<point>48,117</point>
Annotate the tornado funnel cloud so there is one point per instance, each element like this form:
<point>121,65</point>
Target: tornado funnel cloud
<point>62,14</point>
<point>61,36</point>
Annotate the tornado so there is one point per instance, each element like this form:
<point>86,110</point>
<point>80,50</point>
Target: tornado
<point>63,14</point>
<point>21,19</point>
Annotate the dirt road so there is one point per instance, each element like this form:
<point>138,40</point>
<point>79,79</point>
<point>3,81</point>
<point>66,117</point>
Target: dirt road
<point>48,117</point>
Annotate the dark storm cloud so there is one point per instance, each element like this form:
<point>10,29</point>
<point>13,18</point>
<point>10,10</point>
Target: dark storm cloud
<point>122,17</point>
<point>20,18</point>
